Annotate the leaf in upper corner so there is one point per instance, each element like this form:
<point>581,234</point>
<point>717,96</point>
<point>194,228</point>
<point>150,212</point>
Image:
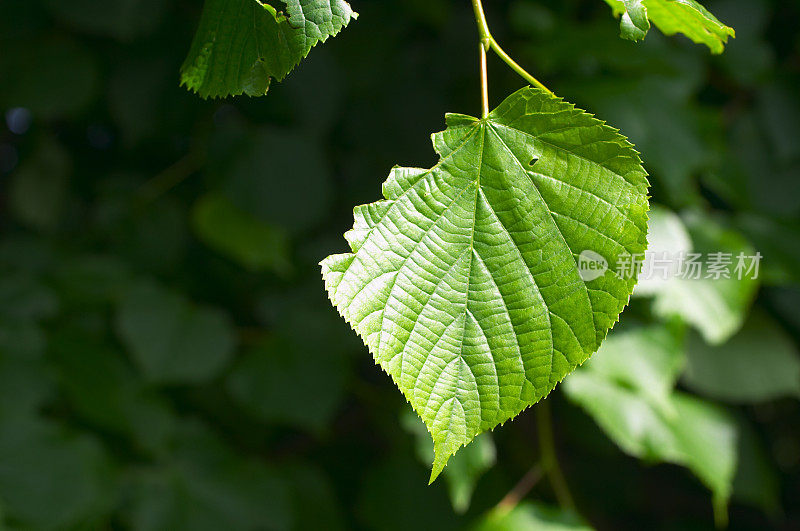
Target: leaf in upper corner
<point>241,45</point>
<point>464,282</point>
<point>671,17</point>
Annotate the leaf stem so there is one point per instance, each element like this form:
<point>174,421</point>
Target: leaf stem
<point>483,26</point>
<point>487,42</point>
<point>550,464</point>
<point>516,67</point>
<point>484,83</point>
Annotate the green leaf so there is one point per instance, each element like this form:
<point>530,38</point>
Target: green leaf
<point>249,241</point>
<point>628,418</point>
<point>464,281</point>
<point>529,516</point>
<point>758,364</point>
<point>675,428</point>
<point>241,45</point>
<point>671,17</point>
<point>707,436</point>
<point>172,340</point>
<point>634,23</point>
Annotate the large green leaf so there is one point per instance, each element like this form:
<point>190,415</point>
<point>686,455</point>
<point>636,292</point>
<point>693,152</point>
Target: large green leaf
<point>464,282</point>
<point>241,45</point>
<point>671,17</point>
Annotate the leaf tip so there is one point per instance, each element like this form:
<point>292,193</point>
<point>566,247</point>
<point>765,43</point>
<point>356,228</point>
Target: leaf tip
<point>439,461</point>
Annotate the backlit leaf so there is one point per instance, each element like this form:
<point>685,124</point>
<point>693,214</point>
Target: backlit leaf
<point>464,282</point>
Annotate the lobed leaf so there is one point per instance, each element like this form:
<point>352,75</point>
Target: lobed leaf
<point>241,45</point>
<point>464,281</point>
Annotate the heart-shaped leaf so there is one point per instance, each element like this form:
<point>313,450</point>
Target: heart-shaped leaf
<point>465,283</point>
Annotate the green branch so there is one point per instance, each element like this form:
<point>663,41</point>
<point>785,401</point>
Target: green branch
<point>488,42</point>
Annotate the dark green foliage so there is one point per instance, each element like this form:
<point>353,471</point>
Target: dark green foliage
<point>158,372</point>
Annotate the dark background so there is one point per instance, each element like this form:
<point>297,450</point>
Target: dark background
<point>168,357</point>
